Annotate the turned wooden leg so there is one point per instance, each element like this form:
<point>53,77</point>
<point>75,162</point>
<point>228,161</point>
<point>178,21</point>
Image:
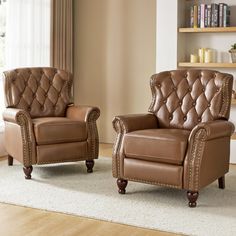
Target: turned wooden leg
<point>10,160</point>
<point>28,171</point>
<point>121,183</point>
<point>89,164</point>
<point>192,197</point>
<point>221,182</point>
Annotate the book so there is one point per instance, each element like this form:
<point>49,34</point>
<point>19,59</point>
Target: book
<point>214,15</point>
<point>199,16</point>
<point>209,15</point>
<point>202,23</point>
<point>205,16</point>
<point>221,10</point>
<point>191,16</point>
<point>195,16</point>
<point>226,15</point>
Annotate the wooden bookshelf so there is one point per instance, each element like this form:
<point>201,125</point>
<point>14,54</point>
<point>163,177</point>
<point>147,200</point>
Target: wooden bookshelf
<point>233,101</point>
<point>233,136</point>
<point>208,30</point>
<point>207,65</point>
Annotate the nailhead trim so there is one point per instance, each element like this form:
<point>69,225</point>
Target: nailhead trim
<point>195,159</point>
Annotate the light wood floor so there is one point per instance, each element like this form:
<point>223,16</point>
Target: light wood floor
<point>19,221</point>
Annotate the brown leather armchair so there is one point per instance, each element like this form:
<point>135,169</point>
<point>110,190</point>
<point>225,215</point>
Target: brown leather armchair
<point>184,140</point>
<point>41,124</point>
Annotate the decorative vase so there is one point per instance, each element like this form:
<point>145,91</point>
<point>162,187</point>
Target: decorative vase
<point>233,55</point>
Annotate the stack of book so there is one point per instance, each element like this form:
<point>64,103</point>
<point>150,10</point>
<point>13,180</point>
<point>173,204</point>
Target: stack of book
<point>210,15</point>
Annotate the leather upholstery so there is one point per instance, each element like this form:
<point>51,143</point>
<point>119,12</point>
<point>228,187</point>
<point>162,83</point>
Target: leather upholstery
<point>41,124</point>
<point>182,99</point>
<point>40,91</point>
<point>185,140</point>
<point>53,130</point>
<point>154,145</point>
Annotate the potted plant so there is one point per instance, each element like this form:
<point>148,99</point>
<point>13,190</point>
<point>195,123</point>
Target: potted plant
<point>233,53</point>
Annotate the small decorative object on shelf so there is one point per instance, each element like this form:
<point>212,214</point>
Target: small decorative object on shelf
<point>193,58</point>
<point>205,55</point>
<point>233,53</point>
<point>210,15</point>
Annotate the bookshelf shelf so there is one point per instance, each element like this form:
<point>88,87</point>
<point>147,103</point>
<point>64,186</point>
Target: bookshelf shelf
<point>233,101</point>
<point>233,136</point>
<point>207,65</point>
<point>208,30</point>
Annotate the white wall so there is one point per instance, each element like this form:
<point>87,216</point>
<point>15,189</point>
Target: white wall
<point>114,57</point>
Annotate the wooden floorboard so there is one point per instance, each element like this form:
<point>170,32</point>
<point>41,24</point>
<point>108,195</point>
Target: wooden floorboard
<point>23,221</point>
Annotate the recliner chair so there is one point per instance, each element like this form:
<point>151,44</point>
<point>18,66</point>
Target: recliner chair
<point>42,126</point>
<point>184,140</point>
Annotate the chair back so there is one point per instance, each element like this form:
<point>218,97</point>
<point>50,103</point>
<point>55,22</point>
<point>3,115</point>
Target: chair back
<point>184,98</point>
<point>42,92</point>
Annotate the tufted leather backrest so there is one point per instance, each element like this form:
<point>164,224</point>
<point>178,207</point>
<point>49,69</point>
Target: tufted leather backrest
<point>40,91</point>
<point>184,98</point>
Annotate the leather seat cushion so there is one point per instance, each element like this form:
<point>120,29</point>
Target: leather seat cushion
<point>53,130</point>
<point>157,145</point>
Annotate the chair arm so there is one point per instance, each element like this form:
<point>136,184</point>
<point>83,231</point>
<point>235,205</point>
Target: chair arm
<point>20,118</point>
<point>214,129</point>
<point>82,113</point>
<point>123,125</point>
<point>14,115</point>
<point>89,115</point>
<point>208,152</point>
<point>129,123</point>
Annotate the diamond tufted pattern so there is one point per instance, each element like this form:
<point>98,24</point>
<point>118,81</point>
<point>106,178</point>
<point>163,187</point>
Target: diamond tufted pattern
<point>40,91</point>
<point>184,98</point>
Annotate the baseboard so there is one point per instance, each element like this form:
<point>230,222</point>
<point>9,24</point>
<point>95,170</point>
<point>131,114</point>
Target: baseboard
<point>233,151</point>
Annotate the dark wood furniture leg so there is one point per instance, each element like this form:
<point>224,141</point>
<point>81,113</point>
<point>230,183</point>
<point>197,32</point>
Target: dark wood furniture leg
<point>221,182</point>
<point>121,183</point>
<point>89,164</point>
<point>28,170</point>
<point>192,197</point>
<point>10,160</point>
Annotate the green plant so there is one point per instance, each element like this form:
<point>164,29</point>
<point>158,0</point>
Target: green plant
<point>233,47</point>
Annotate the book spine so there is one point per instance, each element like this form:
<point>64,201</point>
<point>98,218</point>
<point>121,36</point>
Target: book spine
<point>198,16</point>
<point>224,15</point>
<point>202,23</point>
<point>221,6</point>
<point>195,14</point>
<point>228,16</point>
<point>208,15</point>
<point>214,15</point>
<point>205,17</point>
<point>191,16</point>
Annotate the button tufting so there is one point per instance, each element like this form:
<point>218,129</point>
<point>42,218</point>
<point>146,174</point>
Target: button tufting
<point>209,104</point>
<point>174,88</point>
<point>170,117</point>
<point>180,103</point>
<point>186,75</point>
<point>185,118</point>
<point>164,101</point>
<point>189,89</point>
<point>194,103</point>
<point>199,119</point>
<point>217,90</point>
<point>159,85</point>
<point>41,107</point>
<point>203,89</point>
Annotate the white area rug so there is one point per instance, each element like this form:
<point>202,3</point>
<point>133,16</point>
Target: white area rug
<point>68,188</point>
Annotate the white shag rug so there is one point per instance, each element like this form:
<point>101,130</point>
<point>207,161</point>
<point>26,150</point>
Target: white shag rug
<point>67,188</point>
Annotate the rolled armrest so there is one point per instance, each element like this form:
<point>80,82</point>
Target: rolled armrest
<point>129,123</point>
<point>83,113</point>
<point>214,129</point>
<point>22,148</point>
<point>13,115</point>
